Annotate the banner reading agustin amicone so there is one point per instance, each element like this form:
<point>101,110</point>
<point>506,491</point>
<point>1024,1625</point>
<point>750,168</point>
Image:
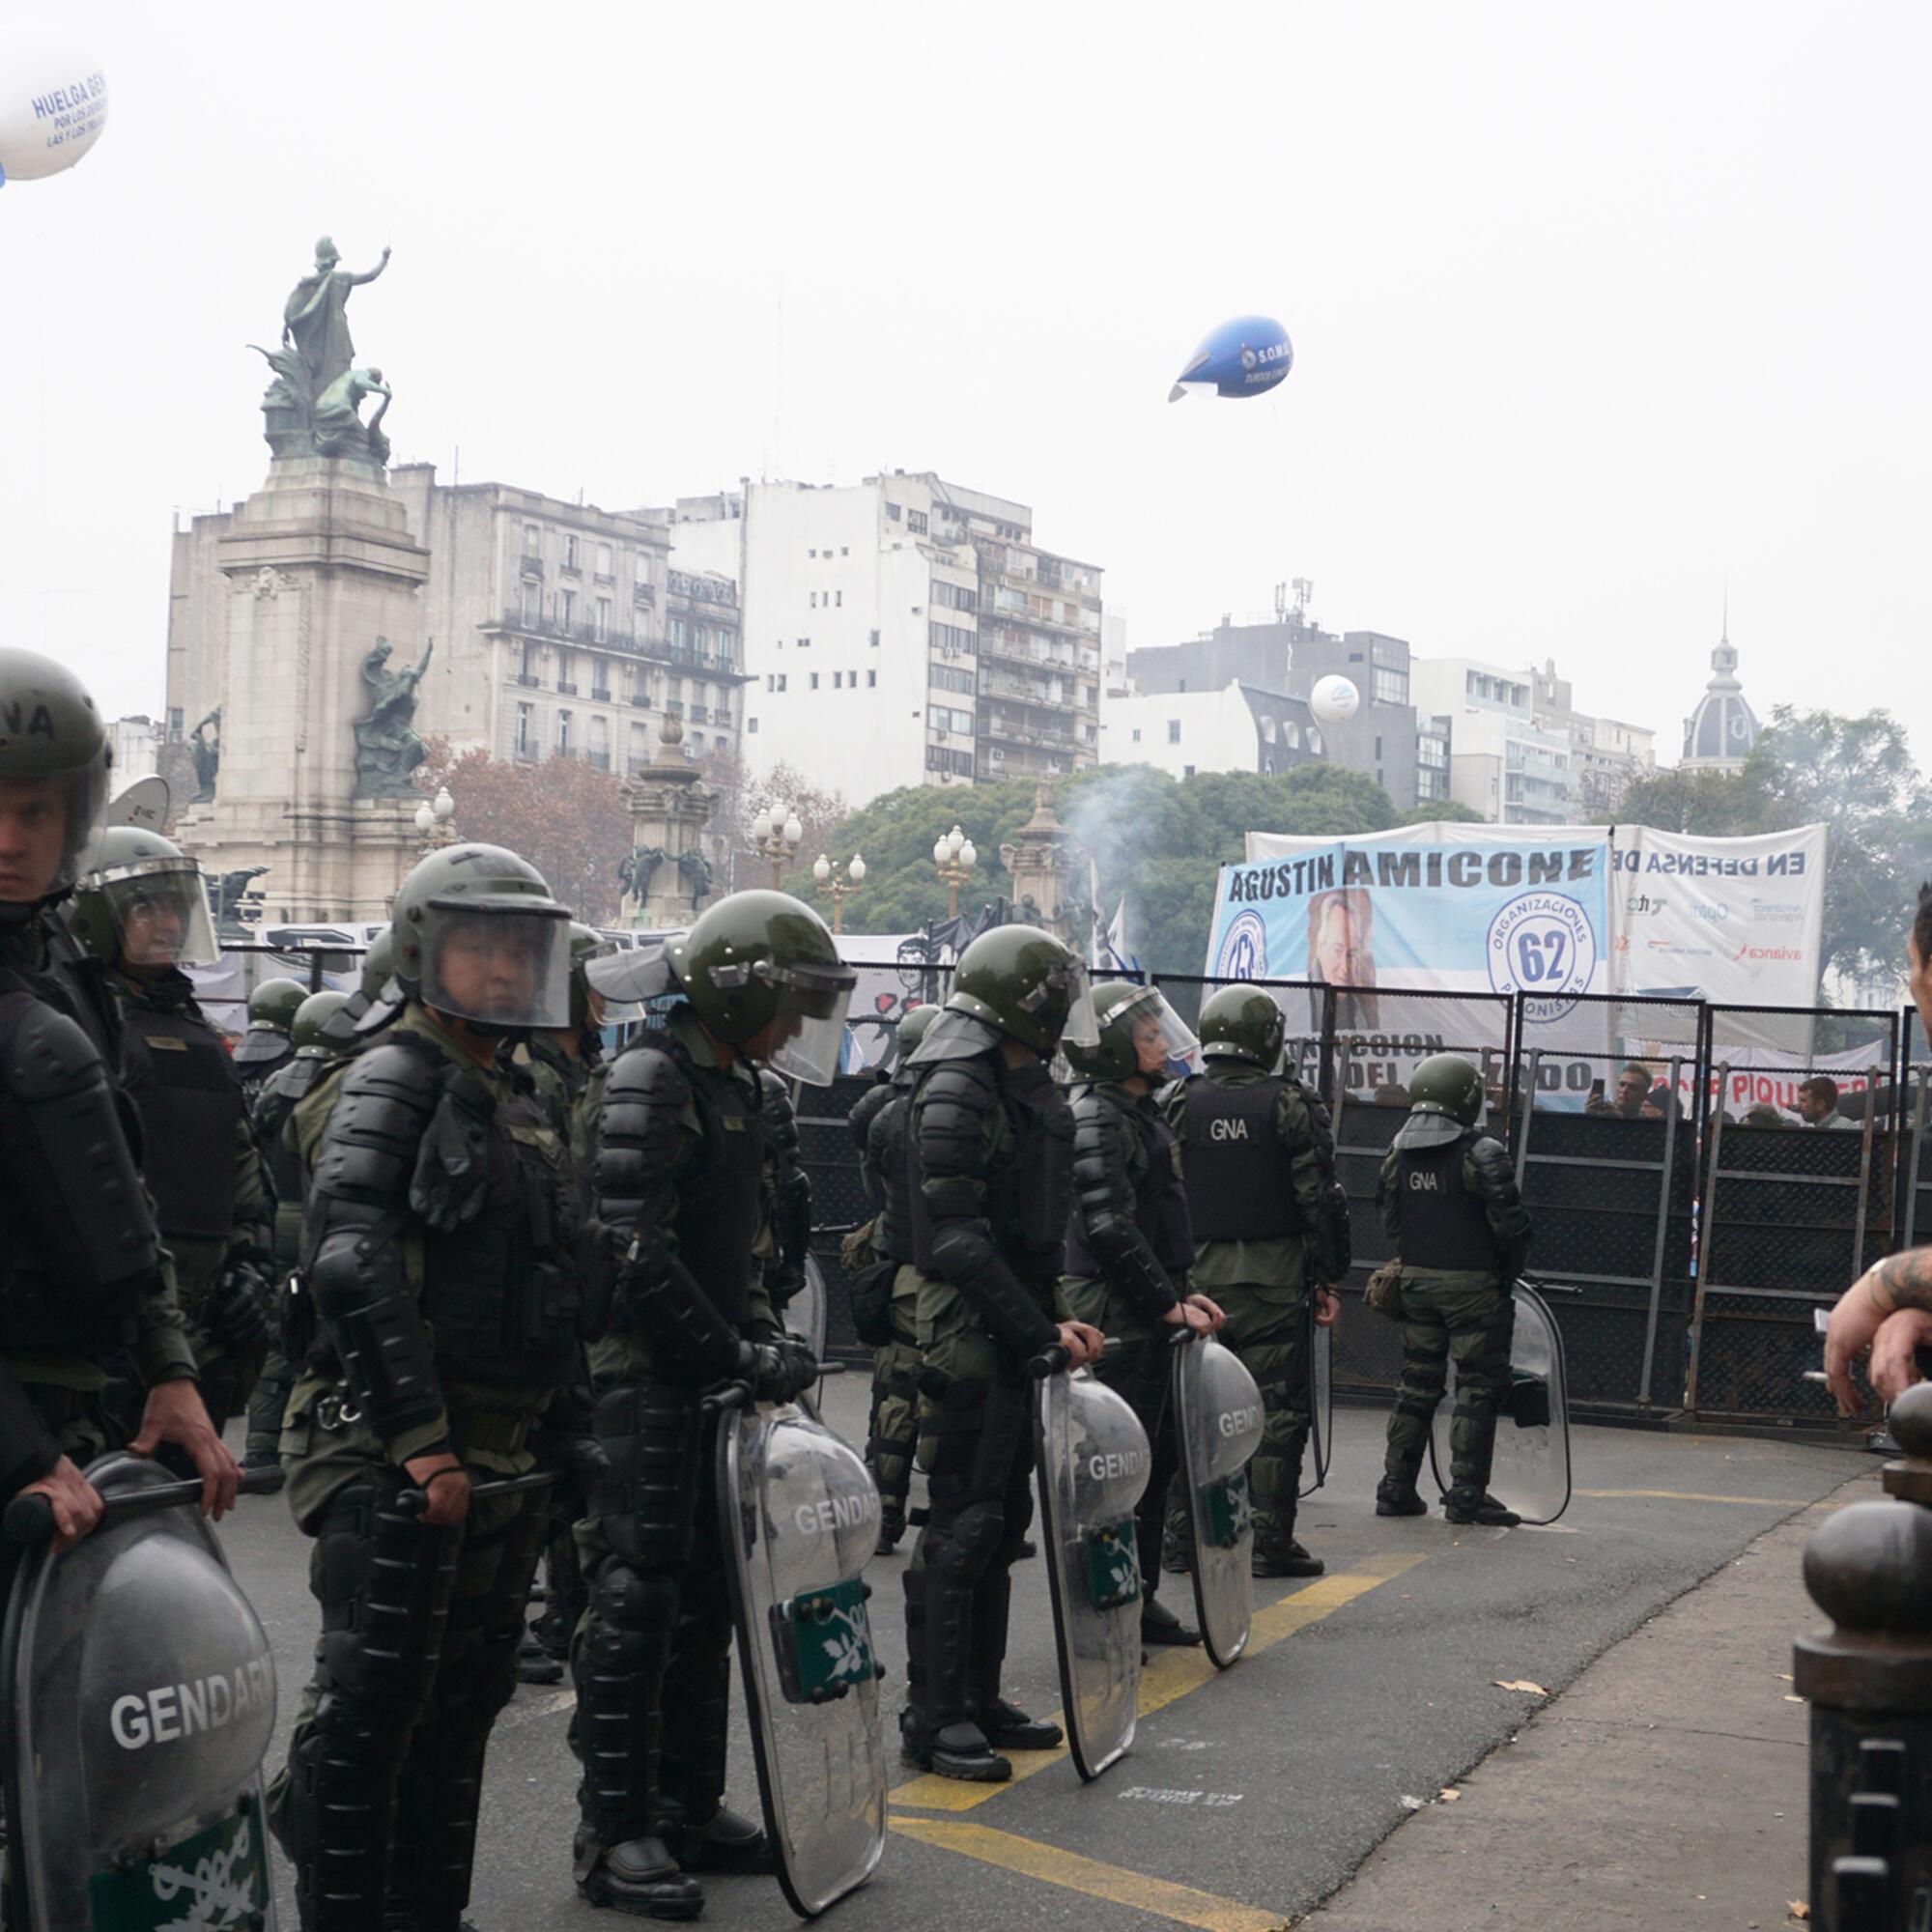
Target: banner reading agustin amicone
<point>1484,918</point>
<point>1555,914</point>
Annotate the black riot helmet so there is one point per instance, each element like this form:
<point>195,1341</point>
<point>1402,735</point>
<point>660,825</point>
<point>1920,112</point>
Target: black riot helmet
<point>1445,1100</point>
<point>1029,985</point>
<point>50,734</point>
<point>1140,1033</point>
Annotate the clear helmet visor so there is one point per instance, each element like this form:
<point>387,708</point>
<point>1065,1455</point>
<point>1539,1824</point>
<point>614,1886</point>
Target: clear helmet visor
<point>608,1008</point>
<point>1164,1044</point>
<point>498,965</point>
<point>807,1036</point>
<point>1072,983</point>
<point>159,909</point>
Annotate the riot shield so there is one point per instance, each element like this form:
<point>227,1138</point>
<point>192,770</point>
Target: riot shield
<point>804,1315</point>
<point>1093,1461</point>
<point>800,1515</point>
<point>1531,1470</point>
<point>1320,1358</point>
<point>1218,1415</point>
<point>139,1697</point>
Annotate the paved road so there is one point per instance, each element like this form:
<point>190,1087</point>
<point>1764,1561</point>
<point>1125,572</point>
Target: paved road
<point>1247,1797</point>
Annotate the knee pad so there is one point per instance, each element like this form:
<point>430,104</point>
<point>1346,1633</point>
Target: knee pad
<point>958,1548</point>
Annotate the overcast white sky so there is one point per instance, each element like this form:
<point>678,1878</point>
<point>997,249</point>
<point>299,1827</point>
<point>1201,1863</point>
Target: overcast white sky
<point>1594,308</point>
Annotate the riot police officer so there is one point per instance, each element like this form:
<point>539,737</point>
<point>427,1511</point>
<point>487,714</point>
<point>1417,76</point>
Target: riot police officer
<point>680,1164</point>
<point>878,1124</point>
<point>1259,1158</point>
<point>141,909</point>
<point>990,1144</point>
<point>437,1253</point>
<point>268,1044</point>
<point>314,1053</point>
<point>83,1277</point>
<point>1129,1243</point>
<point>1450,1207</point>
<point>563,1059</point>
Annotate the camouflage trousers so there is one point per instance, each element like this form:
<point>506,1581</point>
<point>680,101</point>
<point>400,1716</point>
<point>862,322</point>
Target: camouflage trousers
<point>1466,1317</point>
<point>892,1436</point>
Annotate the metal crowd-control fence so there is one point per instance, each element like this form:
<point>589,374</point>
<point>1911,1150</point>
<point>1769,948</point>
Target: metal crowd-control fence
<point>1792,1214</point>
<point>1612,1190</point>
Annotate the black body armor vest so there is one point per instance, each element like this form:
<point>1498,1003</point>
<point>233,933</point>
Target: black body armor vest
<point>1240,1187</point>
<point>1444,1225</point>
<point>501,1291</point>
<point>184,1084</point>
<point>886,1149</point>
<point>719,1195</point>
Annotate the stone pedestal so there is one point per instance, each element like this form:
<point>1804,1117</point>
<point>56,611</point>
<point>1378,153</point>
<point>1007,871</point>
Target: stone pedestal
<point>320,563</point>
<point>670,805</point>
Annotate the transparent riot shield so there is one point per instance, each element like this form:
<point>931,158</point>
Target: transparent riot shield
<point>805,1313</point>
<point>1321,1356</point>
<point>800,1515</point>
<point>1093,1461</point>
<point>1218,1416</point>
<point>139,1696</point>
<point>1530,1472</point>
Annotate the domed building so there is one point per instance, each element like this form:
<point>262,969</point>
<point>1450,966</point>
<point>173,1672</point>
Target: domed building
<point>1719,735</point>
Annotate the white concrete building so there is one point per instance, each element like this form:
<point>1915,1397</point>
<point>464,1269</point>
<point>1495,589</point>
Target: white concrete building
<point>1606,753</point>
<point>1238,729</point>
<point>1501,762</point>
<point>137,745</point>
<point>901,631</point>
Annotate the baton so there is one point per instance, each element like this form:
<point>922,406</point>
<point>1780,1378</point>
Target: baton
<point>30,1519</point>
<point>1054,1360</point>
<point>413,1502</point>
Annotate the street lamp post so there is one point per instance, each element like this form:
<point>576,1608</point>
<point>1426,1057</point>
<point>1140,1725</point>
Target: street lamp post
<point>955,857</point>
<point>823,876</point>
<point>776,838</point>
<point>432,820</point>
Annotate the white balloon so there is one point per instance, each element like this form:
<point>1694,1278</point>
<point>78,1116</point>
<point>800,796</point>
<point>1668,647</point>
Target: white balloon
<point>53,104</point>
<point>1334,699</point>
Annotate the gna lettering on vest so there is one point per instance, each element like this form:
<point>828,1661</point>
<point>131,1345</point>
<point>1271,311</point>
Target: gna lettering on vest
<point>836,1513</point>
<point>1235,1129</point>
<point>1241,1421</point>
<point>1116,1466</point>
<point>170,1712</point>
<point>1425,1180</point>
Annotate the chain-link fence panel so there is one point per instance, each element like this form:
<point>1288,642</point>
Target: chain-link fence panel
<point>1801,1149</point>
<point>1916,1179</point>
<point>1300,1005</point>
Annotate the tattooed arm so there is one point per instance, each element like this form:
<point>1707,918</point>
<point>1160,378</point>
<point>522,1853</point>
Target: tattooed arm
<point>1899,1282</point>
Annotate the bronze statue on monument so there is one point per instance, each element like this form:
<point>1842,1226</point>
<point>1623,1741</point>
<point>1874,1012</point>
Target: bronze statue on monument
<point>387,748</point>
<point>309,410</point>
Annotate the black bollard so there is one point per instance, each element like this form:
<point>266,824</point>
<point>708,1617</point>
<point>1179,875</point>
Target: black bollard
<point>1869,1685</point>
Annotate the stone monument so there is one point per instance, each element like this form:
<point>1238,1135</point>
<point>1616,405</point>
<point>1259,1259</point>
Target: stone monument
<point>667,878</point>
<point>1049,873</point>
<point>304,764</point>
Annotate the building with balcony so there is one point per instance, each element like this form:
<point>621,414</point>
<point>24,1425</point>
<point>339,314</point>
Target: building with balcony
<point>1606,753</point>
<point>1290,657</point>
<point>901,631</point>
<point>1502,762</point>
<point>560,629</point>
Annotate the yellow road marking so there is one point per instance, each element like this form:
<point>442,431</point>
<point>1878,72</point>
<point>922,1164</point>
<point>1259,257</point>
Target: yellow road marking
<point>1048,1864</point>
<point>1172,1674</point>
<point>1697,1496</point>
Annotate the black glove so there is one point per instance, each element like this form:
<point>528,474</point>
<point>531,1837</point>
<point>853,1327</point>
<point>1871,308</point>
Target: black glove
<point>780,1369</point>
<point>242,1308</point>
<point>783,1281</point>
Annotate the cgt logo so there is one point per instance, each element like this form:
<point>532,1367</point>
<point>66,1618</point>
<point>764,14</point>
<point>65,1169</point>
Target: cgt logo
<point>1640,906</point>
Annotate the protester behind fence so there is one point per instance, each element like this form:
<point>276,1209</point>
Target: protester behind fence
<point>1818,1102</point>
<point>1631,1100</point>
<point>1888,1309</point>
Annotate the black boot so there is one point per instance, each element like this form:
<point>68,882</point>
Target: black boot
<point>1007,1727</point>
<point>951,1750</point>
<point>1159,1625</point>
<point>534,1663</point>
<point>1465,1504</point>
<point>892,1526</point>
<point>1288,1560</point>
<point>639,1877</point>
<point>729,1843</point>
<point>1396,1497</point>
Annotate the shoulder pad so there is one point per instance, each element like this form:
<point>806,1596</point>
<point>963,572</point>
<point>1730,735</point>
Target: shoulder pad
<point>1491,1156</point>
<point>374,1130</point>
<point>955,1036</point>
<point>45,1056</point>
<point>647,1072</point>
<point>973,1083</point>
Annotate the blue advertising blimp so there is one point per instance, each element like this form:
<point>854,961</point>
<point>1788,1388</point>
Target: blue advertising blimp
<point>1243,358</point>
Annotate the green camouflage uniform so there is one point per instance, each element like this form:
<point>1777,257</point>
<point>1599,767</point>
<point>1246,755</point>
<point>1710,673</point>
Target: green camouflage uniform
<point>1262,1288</point>
<point>1466,1315</point>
